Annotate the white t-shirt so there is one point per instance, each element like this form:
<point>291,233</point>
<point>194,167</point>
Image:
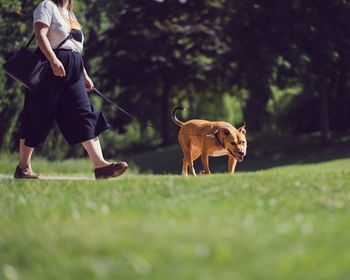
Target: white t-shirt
<point>48,13</point>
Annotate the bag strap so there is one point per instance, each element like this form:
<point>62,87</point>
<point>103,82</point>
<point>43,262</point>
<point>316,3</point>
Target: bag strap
<point>30,41</point>
<point>60,44</point>
<point>65,40</point>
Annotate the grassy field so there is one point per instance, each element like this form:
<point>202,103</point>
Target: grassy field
<point>285,222</point>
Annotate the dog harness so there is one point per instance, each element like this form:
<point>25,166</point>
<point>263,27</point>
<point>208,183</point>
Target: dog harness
<point>216,135</point>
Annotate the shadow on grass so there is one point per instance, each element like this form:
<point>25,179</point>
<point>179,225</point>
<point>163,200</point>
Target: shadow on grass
<point>263,153</point>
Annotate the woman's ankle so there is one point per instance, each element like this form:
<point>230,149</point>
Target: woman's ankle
<point>25,166</point>
<point>101,164</point>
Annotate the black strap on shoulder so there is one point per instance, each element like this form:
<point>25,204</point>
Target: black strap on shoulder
<point>60,44</point>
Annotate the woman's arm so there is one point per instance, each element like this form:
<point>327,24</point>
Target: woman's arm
<point>41,30</point>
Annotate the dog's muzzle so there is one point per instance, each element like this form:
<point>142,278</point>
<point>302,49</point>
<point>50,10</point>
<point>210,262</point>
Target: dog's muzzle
<point>239,156</point>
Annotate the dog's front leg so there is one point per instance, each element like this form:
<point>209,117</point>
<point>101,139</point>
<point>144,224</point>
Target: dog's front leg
<point>231,164</point>
<point>205,163</point>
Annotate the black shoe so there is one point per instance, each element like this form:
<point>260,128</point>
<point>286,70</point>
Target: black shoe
<point>20,174</point>
<point>114,169</point>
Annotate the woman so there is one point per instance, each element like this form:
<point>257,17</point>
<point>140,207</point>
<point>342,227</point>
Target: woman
<point>62,96</point>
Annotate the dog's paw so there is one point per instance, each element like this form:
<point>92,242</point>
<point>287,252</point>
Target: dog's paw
<point>202,172</point>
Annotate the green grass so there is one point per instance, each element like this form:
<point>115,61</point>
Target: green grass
<point>77,167</point>
<point>290,222</point>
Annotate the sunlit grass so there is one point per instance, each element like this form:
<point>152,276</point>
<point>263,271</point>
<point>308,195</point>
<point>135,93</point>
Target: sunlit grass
<point>77,167</point>
<point>282,223</point>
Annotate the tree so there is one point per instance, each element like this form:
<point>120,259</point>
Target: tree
<point>155,48</point>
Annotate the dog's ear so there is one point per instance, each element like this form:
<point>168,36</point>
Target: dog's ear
<point>242,129</point>
<point>226,131</point>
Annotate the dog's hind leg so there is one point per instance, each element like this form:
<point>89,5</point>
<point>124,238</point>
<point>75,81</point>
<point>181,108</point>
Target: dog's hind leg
<point>187,162</point>
<point>184,144</point>
<point>192,168</point>
<point>231,164</point>
<point>194,153</point>
<point>184,167</point>
<point>189,155</point>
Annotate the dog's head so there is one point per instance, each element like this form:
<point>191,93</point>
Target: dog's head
<point>234,141</point>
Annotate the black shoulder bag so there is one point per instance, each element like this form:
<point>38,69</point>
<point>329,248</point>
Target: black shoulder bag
<point>29,67</point>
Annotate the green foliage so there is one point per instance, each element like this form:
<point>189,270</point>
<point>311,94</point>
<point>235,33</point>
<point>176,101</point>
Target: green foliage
<point>15,29</point>
<point>206,55</point>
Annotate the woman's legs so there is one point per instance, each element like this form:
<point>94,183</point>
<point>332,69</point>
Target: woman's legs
<point>103,169</point>
<point>24,168</point>
<point>93,148</point>
<point>25,156</point>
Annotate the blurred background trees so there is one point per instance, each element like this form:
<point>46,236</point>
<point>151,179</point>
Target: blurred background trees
<point>280,66</point>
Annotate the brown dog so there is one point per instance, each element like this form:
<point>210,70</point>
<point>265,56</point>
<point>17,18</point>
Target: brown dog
<point>204,138</point>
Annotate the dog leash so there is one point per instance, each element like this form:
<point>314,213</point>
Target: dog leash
<point>98,93</point>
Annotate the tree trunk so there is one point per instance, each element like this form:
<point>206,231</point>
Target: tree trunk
<point>322,88</point>
<point>342,103</point>
<point>165,114</point>
<point>324,118</point>
<point>255,113</point>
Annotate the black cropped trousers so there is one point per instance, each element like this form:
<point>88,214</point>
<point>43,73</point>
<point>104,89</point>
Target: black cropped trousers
<point>64,100</point>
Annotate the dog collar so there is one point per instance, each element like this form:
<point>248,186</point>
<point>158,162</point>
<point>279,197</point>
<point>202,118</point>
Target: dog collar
<point>216,134</point>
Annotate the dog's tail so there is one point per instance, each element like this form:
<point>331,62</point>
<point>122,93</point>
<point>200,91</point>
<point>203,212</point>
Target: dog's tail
<point>173,115</point>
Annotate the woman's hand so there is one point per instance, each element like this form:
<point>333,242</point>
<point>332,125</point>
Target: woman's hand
<point>89,85</point>
<point>57,67</point>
